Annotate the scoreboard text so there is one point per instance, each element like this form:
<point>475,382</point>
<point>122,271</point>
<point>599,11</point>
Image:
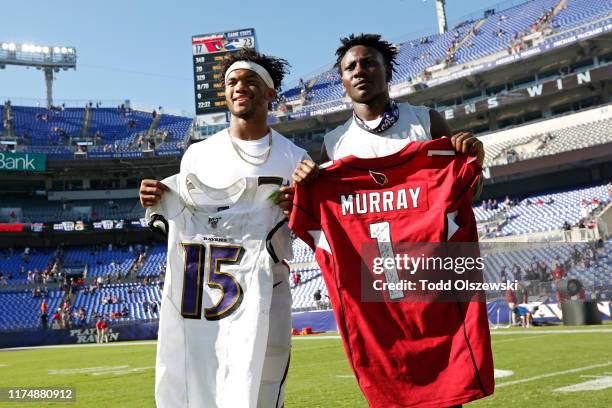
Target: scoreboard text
<point>209,51</point>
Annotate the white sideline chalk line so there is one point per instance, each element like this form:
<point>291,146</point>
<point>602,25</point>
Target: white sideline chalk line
<point>502,373</point>
<point>598,384</point>
<point>86,370</point>
<point>522,338</point>
<point>562,331</point>
<point>554,374</point>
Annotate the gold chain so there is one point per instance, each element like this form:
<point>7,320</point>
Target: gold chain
<point>241,153</point>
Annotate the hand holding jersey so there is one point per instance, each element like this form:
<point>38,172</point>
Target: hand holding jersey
<point>403,354</point>
<point>366,64</point>
<point>248,368</point>
<point>151,192</point>
<point>222,264</point>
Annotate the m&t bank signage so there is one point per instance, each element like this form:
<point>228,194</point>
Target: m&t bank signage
<point>22,161</point>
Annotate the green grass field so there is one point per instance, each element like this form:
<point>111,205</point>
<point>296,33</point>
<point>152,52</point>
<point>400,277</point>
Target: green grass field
<point>541,360</point>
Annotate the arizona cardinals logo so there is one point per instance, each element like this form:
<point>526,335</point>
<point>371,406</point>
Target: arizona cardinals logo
<point>379,178</point>
<point>214,44</point>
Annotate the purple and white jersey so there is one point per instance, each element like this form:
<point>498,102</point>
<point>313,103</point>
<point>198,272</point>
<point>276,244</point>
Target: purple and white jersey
<point>214,320</point>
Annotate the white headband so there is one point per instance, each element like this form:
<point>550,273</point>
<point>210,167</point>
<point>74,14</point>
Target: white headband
<point>251,66</point>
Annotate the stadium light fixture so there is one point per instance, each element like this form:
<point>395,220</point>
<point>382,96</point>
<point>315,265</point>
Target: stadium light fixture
<point>50,59</point>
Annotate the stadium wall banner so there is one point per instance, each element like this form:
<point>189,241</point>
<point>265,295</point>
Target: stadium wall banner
<point>92,195</point>
<point>318,321</point>
<point>544,312</point>
<point>11,227</point>
<point>32,338</point>
<point>22,161</point>
<point>119,155</point>
<point>74,226</point>
<point>536,90</point>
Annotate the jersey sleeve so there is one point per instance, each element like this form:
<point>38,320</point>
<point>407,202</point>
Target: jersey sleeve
<point>305,216</point>
<point>467,172</point>
<point>278,242</point>
<point>167,206</point>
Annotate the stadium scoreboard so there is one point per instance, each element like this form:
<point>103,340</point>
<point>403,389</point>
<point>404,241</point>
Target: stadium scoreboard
<point>209,51</point>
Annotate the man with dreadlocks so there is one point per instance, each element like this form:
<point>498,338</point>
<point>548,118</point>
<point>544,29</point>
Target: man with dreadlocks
<point>247,148</point>
<point>404,353</point>
<point>380,126</point>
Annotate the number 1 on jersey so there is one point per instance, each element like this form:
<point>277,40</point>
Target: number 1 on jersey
<point>196,270</point>
<point>381,232</point>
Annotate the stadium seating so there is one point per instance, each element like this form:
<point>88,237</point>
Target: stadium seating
<point>577,12</point>
<point>15,263</point>
<point>301,252</point>
<point>597,277</point>
<point>545,212</point>
<point>49,131</point>
<point>532,146</point>
<point>39,209</point>
<point>496,33</point>
<point>101,262</point>
<point>493,34</point>
<point>93,302</point>
<point>303,293</point>
<point>156,256</point>
<point>19,310</point>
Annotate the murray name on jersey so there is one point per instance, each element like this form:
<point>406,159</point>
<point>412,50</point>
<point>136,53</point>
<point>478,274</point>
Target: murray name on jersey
<point>405,198</point>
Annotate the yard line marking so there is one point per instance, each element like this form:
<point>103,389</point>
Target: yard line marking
<point>592,385</point>
<point>595,376</point>
<point>538,377</point>
<point>86,370</point>
<point>502,373</point>
<point>3,365</point>
<point>101,370</point>
<point>126,371</point>
<point>522,338</point>
<point>345,376</point>
<point>564,331</point>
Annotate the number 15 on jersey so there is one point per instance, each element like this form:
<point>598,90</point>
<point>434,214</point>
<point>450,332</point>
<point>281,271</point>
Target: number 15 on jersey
<point>203,263</point>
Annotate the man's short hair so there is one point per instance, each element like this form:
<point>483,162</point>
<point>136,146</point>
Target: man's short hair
<point>387,50</point>
<point>276,67</point>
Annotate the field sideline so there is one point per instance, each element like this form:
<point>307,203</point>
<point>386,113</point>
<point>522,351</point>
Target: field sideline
<point>537,367</point>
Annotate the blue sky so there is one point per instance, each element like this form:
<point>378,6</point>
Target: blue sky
<point>140,50</point>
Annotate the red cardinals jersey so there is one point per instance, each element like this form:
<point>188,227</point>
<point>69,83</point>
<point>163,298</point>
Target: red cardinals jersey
<point>403,354</point>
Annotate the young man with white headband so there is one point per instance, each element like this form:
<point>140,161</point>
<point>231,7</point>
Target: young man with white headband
<point>249,147</point>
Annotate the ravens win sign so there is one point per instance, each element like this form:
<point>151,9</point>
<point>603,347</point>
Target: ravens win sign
<point>209,50</point>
